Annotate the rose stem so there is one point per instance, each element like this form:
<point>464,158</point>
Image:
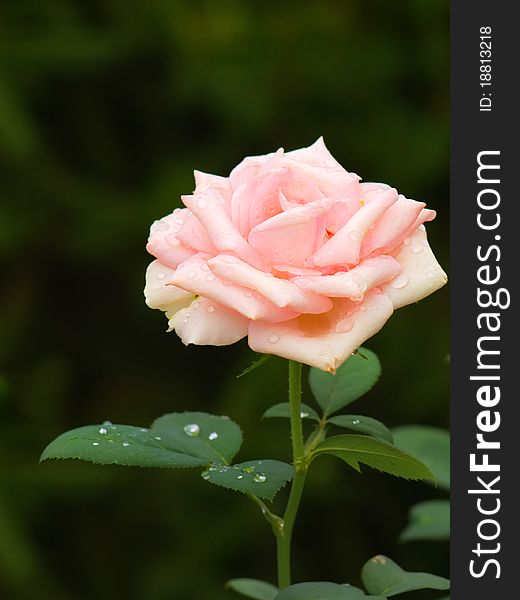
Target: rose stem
<point>298,483</point>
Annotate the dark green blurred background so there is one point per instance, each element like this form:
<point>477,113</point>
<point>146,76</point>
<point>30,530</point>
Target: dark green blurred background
<point>106,107</point>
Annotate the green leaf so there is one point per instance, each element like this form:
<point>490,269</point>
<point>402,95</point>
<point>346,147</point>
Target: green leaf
<point>383,577</point>
<point>121,445</point>
<point>430,445</point>
<point>173,441</point>
<point>262,478</point>
<point>354,378</point>
<point>253,588</point>
<point>355,449</point>
<point>284,410</point>
<point>365,424</point>
<point>323,590</point>
<point>215,438</point>
<point>428,520</point>
<point>255,364</point>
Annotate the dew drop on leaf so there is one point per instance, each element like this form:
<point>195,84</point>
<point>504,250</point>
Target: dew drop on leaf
<point>192,429</point>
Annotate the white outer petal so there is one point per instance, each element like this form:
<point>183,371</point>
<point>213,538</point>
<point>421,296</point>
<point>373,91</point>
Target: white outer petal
<point>206,323</point>
<point>158,294</point>
<point>421,275</point>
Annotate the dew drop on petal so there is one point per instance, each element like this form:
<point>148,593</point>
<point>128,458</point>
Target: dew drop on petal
<point>399,282</point>
<point>161,275</point>
<point>192,274</point>
<point>259,478</point>
<point>273,338</point>
<point>160,225</point>
<point>102,431</point>
<point>417,248</point>
<point>213,435</point>
<point>201,203</point>
<point>210,309</point>
<point>210,277</point>
<point>192,429</point>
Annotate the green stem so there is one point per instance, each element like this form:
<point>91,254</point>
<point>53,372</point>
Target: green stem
<point>284,538</point>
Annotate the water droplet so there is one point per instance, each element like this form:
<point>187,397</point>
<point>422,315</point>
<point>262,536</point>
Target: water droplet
<point>210,309</point>
<point>158,438</point>
<point>225,417</point>
<point>248,469</point>
<point>126,444</point>
<point>356,422</point>
<point>160,225</point>
<point>205,475</point>
<point>407,242</point>
<point>201,203</point>
<point>107,423</point>
<point>95,443</point>
<point>259,478</point>
<point>161,275</point>
<point>344,326</point>
<point>399,282</point>
<point>213,435</point>
<point>304,415</point>
<point>240,477</point>
<point>273,338</point>
<point>192,429</point>
<point>204,267</point>
<point>102,431</point>
<point>192,274</point>
<point>362,308</point>
<point>417,248</point>
<point>143,429</point>
<point>210,277</point>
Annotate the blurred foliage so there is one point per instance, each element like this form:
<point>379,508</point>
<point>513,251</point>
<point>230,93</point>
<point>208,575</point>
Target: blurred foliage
<point>106,107</point>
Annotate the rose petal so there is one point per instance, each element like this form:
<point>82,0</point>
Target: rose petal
<point>194,275</point>
<point>193,235</point>
<point>354,283</point>
<point>212,213</point>
<point>159,293</point>
<point>344,247</point>
<point>163,242</point>
<point>323,341</point>
<point>206,181</point>
<point>205,322</point>
<point>280,292</point>
<point>390,228</point>
<point>421,273</point>
<point>291,237</point>
<point>257,200</point>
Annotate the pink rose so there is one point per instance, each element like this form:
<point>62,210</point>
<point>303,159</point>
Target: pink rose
<point>292,251</point>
